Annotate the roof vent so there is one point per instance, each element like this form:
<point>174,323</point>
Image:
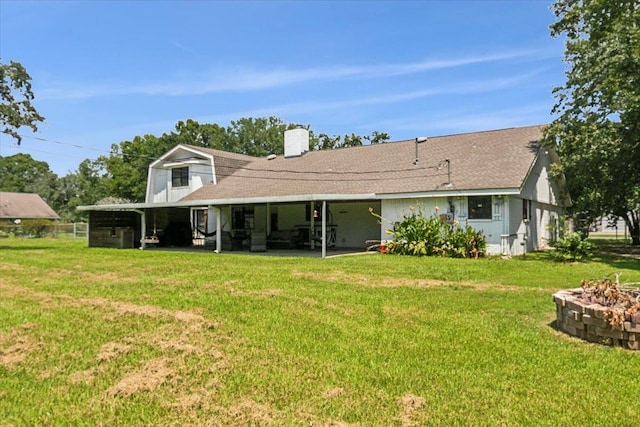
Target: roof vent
<point>271,156</point>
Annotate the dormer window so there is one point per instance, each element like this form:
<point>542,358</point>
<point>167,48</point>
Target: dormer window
<point>180,177</point>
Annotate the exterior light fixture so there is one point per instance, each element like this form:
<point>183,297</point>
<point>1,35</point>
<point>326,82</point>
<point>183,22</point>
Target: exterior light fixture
<point>419,140</point>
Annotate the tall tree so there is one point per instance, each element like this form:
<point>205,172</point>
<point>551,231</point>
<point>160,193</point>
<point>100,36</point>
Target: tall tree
<point>84,187</point>
<point>258,136</point>
<point>16,96</point>
<point>91,183</point>
<point>202,135</point>
<point>128,164</point>
<point>597,129</point>
<point>352,140</point>
<point>326,142</point>
<point>20,173</point>
<point>378,137</point>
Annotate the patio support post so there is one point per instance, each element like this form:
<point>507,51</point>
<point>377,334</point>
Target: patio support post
<point>143,226</point>
<point>324,229</point>
<point>218,212</point>
<point>506,221</point>
<point>312,240</point>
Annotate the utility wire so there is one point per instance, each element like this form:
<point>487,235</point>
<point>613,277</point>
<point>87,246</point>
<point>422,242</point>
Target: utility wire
<point>287,171</point>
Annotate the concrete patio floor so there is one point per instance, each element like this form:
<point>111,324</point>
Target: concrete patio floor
<point>299,253</point>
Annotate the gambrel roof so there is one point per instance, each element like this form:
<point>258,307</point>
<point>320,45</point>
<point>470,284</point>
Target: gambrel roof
<point>498,161</point>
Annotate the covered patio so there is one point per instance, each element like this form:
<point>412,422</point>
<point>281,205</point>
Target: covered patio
<point>311,228</point>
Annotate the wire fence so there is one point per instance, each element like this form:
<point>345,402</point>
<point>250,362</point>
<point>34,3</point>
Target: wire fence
<point>75,230</point>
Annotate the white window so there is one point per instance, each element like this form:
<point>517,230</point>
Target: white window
<point>479,207</point>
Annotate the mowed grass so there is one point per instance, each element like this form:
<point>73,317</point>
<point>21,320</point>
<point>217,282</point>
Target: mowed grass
<point>105,337</point>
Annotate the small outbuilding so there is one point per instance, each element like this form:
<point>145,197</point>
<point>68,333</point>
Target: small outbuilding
<point>19,206</point>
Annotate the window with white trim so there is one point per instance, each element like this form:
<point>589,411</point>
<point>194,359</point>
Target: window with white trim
<point>479,207</point>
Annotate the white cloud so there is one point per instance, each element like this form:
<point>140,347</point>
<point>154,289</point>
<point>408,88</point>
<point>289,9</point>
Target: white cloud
<point>460,120</point>
<point>243,80</point>
<point>469,120</point>
<point>474,87</point>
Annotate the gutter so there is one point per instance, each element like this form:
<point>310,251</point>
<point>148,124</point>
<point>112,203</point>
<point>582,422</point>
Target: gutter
<point>297,198</point>
<point>229,201</point>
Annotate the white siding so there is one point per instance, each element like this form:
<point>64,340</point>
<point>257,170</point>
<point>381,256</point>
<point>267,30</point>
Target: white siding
<point>393,210</point>
<point>544,195</point>
<point>199,175</point>
<point>158,186</point>
<point>355,225</point>
<point>539,186</point>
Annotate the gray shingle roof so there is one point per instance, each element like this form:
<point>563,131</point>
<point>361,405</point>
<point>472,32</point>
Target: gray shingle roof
<point>24,205</point>
<point>499,159</point>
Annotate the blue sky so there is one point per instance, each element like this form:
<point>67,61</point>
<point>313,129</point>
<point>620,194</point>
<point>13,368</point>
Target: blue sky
<point>104,72</point>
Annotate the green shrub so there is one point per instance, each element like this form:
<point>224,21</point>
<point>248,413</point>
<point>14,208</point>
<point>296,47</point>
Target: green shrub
<point>418,235</point>
<point>572,247</point>
<point>36,227</point>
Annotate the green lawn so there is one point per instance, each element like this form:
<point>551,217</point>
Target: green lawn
<point>126,337</point>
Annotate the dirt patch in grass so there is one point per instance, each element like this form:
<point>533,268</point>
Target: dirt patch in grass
<point>149,377</point>
<point>120,307</point>
<point>409,406</point>
<point>249,412</point>
<point>260,293</point>
<point>6,266</point>
<point>84,277</point>
<point>124,308</point>
<point>107,352</point>
<point>338,276</point>
<point>332,393</point>
<point>186,334</point>
<point>15,347</point>
<point>333,423</point>
<point>87,376</point>
<point>271,292</point>
<point>178,347</point>
<point>111,350</point>
<point>201,408</point>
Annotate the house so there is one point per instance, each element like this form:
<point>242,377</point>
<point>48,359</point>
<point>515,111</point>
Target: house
<point>19,206</point>
<point>495,181</point>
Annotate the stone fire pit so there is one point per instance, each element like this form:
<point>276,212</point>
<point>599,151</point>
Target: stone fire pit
<point>597,315</point>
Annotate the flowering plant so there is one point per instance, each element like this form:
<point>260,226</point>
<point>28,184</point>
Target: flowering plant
<point>419,235</point>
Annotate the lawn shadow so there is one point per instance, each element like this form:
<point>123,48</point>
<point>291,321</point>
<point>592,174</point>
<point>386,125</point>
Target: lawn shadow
<point>616,258</point>
<point>24,248</point>
<point>630,261</point>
